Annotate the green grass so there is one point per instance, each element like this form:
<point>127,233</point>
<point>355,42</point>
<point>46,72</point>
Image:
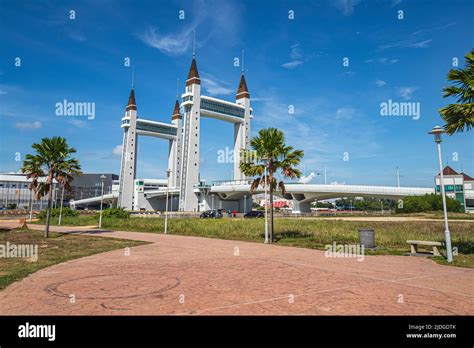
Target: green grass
<point>56,249</point>
<point>306,233</point>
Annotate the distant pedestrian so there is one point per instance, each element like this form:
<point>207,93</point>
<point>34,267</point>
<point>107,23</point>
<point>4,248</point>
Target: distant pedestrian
<point>234,213</point>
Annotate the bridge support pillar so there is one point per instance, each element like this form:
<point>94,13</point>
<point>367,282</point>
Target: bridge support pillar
<point>301,207</point>
<point>189,175</point>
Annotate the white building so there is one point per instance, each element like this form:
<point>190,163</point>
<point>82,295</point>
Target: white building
<point>15,192</point>
<point>459,186</point>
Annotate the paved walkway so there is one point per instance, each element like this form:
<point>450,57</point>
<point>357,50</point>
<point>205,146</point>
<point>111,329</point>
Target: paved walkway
<point>191,275</point>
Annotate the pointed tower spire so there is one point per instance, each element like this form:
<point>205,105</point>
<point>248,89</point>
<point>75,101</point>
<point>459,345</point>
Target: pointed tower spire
<point>193,70</point>
<point>243,91</point>
<point>132,105</point>
<point>193,75</point>
<point>176,113</point>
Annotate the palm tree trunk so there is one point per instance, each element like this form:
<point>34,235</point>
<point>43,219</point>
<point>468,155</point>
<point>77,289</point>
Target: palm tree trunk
<point>48,212</point>
<point>271,214</point>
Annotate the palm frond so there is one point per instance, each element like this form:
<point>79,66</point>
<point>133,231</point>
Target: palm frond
<point>460,116</point>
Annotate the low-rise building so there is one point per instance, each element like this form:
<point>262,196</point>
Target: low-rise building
<point>15,192</point>
<point>459,186</point>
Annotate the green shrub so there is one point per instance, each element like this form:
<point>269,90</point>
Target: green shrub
<point>428,202</point>
<point>55,213</point>
<point>118,213</point>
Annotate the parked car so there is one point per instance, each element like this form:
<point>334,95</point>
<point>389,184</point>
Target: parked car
<point>210,214</point>
<point>254,214</point>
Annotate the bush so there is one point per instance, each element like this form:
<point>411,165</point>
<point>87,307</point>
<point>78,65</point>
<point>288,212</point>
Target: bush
<point>428,202</point>
<point>55,213</point>
<point>118,213</point>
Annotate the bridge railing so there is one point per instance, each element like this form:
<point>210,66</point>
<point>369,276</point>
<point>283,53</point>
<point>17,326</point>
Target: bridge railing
<point>232,182</point>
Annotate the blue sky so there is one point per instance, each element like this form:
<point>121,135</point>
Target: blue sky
<point>296,62</point>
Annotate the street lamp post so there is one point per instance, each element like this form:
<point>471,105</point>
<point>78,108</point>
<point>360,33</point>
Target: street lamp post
<point>437,131</point>
<point>31,205</point>
<point>265,161</point>
<point>168,172</point>
<point>102,178</point>
<point>61,206</point>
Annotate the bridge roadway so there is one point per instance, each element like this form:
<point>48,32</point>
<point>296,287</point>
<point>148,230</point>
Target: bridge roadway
<point>301,194</point>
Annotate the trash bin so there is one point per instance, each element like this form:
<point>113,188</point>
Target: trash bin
<point>367,237</point>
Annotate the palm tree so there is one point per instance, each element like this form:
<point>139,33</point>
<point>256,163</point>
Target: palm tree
<point>461,115</point>
<point>52,161</point>
<point>269,151</point>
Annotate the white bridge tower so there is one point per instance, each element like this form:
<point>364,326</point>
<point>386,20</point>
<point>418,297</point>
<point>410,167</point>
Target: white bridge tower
<point>129,152</point>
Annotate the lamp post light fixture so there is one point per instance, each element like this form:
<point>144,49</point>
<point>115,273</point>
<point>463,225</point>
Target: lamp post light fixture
<point>61,206</point>
<point>102,178</point>
<point>168,172</point>
<point>437,131</point>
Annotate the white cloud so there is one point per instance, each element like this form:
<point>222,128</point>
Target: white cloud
<point>348,73</point>
<point>406,92</point>
<point>28,125</point>
<point>296,57</point>
<point>77,123</point>
<point>293,64</point>
<point>214,20</point>
<point>345,113</point>
<point>76,36</point>
<point>346,6</point>
<point>385,60</point>
<point>213,86</point>
<point>380,83</point>
<point>296,52</point>
<point>410,43</point>
<point>382,60</point>
<point>173,44</point>
<point>254,99</point>
<point>420,44</point>
<point>117,150</point>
